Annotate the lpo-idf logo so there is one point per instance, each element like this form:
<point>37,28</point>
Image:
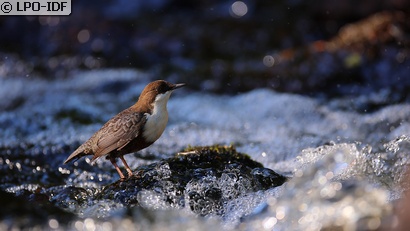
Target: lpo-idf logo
<point>35,7</point>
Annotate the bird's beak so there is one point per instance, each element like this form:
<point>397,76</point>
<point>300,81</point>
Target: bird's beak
<point>178,85</point>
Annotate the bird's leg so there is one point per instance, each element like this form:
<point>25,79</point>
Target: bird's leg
<point>113,162</point>
<point>126,166</point>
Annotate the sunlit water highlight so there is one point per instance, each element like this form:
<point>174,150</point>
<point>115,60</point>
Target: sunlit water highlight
<point>346,168</point>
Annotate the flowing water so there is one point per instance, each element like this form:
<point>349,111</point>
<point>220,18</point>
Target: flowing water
<point>346,169</point>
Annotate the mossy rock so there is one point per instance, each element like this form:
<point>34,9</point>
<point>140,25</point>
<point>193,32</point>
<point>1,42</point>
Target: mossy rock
<point>204,177</point>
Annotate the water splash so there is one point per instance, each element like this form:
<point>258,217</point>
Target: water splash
<point>327,193</point>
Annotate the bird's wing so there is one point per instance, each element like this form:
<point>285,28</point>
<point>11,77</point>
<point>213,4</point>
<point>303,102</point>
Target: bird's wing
<point>118,132</point>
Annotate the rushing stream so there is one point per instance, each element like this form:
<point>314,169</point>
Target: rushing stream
<point>346,170</point>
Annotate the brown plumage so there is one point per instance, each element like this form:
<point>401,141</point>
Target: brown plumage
<point>133,129</point>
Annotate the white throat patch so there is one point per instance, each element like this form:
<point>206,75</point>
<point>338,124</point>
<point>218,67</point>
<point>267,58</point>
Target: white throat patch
<point>157,121</point>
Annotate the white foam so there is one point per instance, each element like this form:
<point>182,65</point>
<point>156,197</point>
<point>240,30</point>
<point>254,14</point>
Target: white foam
<point>335,185</point>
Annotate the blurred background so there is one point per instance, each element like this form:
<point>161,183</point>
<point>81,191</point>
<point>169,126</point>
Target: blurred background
<point>320,48</point>
<point>346,64</point>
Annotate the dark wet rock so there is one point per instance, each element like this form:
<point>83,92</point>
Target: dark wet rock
<point>65,197</point>
<point>204,178</point>
<point>266,177</point>
<point>28,163</point>
<point>28,210</point>
<point>75,115</point>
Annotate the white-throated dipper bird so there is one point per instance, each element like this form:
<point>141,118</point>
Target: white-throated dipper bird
<point>133,129</point>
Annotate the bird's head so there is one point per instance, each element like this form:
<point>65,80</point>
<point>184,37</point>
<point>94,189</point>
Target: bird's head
<point>158,92</point>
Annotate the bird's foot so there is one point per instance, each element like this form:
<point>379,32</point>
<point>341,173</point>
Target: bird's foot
<point>130,174</point>
<point>129,171</point>
<point>124,178</point>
